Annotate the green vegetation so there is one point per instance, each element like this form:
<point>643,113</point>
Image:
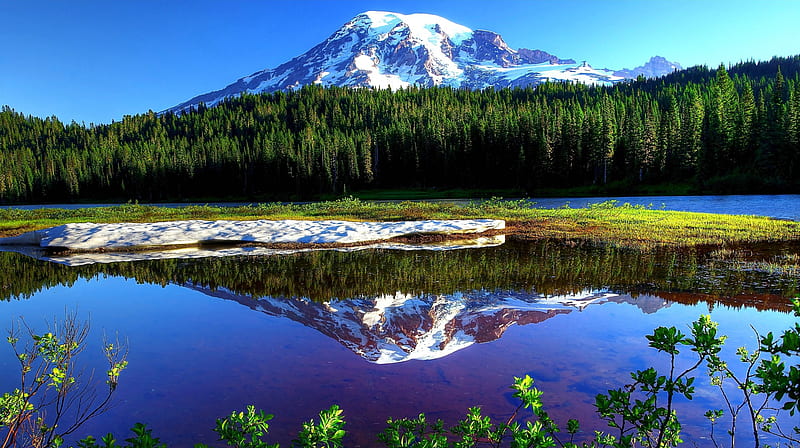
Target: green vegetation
<point>639,414</point>
<point>699,130</point>
<point>545,267</point>
<point>605,223</point>
<point>734,130</point>
<point>53,400</point>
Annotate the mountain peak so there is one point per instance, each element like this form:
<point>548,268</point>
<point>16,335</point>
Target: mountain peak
<point>401,327</point>
<point>653,68</point>
<point>418,23</point>
<point>382,49</point>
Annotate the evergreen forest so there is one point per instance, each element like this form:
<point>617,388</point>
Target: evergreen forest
<point>726,130</point>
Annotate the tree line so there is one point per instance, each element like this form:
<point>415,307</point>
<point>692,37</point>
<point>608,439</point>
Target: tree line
<point>545,267</point>
<point>733,129</point>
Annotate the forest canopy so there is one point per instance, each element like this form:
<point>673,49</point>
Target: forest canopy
<point>732,129</point>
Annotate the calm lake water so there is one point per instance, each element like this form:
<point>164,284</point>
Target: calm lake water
<point>783,206</point>
<point>388,333</point>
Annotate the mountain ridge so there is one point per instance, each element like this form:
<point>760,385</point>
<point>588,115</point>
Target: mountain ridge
<point>655,67</point>
<point>400,327</point>
<point>379,49</point>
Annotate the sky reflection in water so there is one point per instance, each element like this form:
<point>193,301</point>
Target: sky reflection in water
<point>195,357</point>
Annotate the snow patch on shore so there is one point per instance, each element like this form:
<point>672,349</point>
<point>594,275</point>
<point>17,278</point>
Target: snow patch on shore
<point>117,237</point>
<point>85,258</point>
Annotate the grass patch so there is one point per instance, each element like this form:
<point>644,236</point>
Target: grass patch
<point>784,265</point>
<point>606,223</point>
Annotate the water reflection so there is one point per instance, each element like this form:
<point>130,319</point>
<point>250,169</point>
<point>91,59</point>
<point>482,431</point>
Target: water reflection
<point>295,333</point>
<point>544,267</point>
<point>400,327</point>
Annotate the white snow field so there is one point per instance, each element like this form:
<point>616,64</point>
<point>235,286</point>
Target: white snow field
<point>118,237</point>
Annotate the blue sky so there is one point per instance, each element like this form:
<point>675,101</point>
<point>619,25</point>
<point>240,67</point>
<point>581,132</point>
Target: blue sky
<point>95,61</point>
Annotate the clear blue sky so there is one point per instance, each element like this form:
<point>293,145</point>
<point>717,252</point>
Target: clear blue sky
<point>95,61</point>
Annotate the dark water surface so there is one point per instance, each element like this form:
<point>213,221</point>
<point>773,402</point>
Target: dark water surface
<point>385,333</point>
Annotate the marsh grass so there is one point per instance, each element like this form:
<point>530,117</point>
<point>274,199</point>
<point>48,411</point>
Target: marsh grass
<point>608,223</point>
<point>785,265</point>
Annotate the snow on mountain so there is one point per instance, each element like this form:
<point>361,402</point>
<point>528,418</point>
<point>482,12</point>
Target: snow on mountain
<point>400,327</point>
<point>389,50</point>
<point>655,67</point>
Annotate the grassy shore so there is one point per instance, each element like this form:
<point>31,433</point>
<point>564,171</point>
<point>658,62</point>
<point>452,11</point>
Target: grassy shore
<point>606,223</point>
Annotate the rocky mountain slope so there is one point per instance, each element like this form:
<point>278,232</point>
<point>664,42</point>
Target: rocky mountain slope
<point>389,50</point>
<point>655,67</point>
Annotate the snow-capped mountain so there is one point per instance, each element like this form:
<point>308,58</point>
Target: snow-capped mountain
<point>655,67</point>
<point>400,327</point>
<point>390,50</point>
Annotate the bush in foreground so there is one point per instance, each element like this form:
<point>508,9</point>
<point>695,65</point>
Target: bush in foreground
<point>638,414</point>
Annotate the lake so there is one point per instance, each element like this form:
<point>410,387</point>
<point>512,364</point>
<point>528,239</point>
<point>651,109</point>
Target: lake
<point>391,333</point>
<point>783,206</point>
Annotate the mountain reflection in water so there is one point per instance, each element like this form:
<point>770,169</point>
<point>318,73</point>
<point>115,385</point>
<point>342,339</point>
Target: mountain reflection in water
<point>401,327</point>
<point>467,314</point>
<point>544,267</point>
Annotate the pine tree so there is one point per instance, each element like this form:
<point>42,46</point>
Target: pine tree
<point>721,124</point>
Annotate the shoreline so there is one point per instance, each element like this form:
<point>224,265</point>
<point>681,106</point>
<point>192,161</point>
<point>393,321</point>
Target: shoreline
<point>604,224</point>
<point>282,234</point>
